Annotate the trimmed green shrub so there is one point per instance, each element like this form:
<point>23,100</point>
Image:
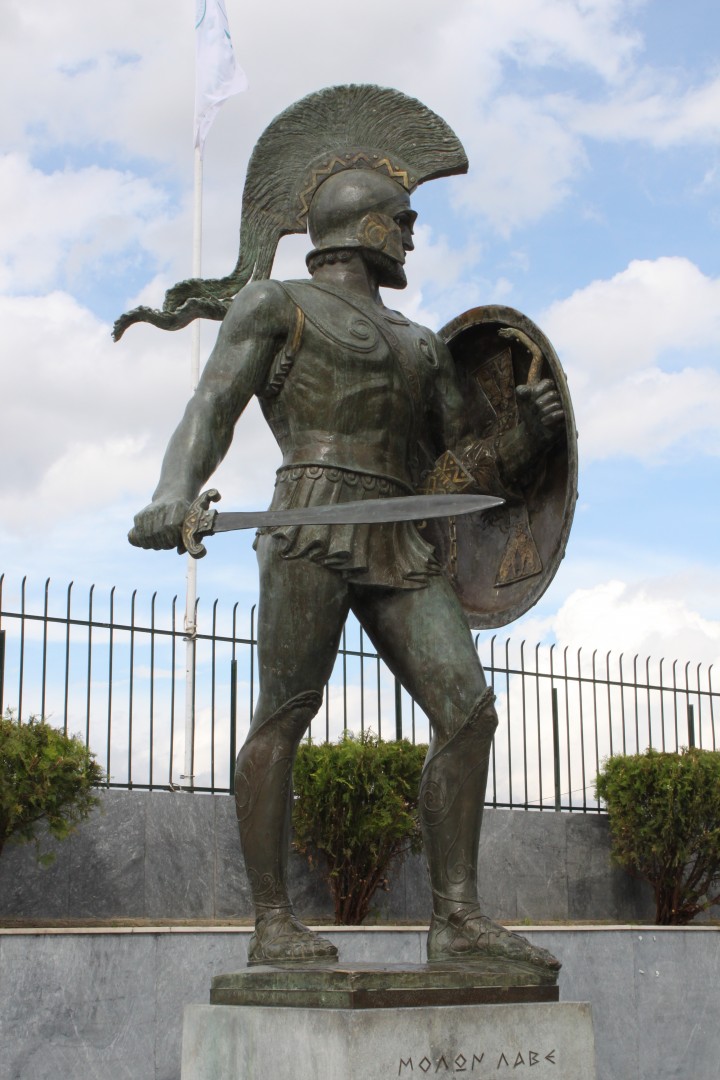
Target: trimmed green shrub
<point>665,825</point>
<point>46,778</point>
<point>356,808</point>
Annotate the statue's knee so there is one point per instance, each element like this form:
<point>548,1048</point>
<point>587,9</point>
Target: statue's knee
<point>266,758</point>
<point>452,786</point>
<point>287,724</point>
<point>485,712</point>
<point>474,728</point>
<point>482,719</point>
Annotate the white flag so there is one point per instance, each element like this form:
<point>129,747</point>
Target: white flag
<point>217,74</point>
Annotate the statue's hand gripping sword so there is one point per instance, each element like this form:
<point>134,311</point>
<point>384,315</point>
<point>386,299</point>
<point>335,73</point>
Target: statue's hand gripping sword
<point>201,521</point>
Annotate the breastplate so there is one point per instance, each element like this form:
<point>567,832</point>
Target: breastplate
<point>355,394</point>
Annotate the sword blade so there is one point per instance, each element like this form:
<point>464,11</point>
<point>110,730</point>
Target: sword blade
<point>362,512</point>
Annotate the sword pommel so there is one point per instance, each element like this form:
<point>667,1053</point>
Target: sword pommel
<point>199,521</point>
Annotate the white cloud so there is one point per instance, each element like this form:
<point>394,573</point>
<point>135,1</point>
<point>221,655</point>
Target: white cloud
<point>646,415</point>
<point>435,262</point>
<point>69,384</point>
<point>617,336</point>
<point>108,469</point>
<point>65,223</point>
<point>85,75</point>
<point>643,617</point>
<point>477,36</point>
<point>593,34</point>
<point>525,162</point>
<point>653,108</point>
<point>86,421</point>
<point>632,320</point>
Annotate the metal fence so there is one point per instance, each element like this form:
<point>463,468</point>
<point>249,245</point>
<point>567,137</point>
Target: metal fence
<point>115,670</point>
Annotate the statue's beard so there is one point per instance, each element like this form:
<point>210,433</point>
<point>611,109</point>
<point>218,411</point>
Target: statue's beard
<point>388,271</point>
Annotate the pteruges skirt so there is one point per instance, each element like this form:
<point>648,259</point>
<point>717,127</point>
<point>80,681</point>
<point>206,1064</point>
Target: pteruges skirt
<point>392,554</point>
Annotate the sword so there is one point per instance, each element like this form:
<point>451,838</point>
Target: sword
<point>201,521</point>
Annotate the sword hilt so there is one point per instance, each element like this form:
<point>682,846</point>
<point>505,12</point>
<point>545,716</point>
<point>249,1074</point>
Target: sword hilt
<point>199,521</point>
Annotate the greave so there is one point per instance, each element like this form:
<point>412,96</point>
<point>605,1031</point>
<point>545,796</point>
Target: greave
<point>452,794</point>
<point>263,799</point>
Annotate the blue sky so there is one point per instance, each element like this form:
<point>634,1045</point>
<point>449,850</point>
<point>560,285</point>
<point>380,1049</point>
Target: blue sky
<point>592,205</point>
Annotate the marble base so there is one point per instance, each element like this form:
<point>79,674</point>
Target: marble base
<point>540,1040</point>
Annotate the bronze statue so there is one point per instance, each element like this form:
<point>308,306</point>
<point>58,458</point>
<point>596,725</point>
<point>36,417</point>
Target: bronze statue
<point>364,405</point>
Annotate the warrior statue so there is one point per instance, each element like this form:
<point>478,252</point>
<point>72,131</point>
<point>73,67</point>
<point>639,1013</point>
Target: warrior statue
<point>364,405</point>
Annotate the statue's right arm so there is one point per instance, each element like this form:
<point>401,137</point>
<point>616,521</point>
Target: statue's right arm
<point>254,328</point>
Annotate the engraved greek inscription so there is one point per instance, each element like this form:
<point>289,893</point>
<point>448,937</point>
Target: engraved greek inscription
<point>459,1063</point>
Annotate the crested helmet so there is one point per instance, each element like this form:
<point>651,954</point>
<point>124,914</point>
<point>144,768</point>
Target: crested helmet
<point>342,163</point>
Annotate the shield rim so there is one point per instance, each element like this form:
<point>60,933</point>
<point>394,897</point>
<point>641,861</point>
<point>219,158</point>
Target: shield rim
<point>509,316</point>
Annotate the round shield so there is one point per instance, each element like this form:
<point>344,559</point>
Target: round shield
<point>502,561</point>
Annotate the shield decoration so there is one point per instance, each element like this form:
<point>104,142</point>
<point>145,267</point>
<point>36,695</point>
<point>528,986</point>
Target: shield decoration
<point>501,562</point>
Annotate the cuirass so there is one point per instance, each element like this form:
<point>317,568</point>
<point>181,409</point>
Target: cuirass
<point>356,391</point>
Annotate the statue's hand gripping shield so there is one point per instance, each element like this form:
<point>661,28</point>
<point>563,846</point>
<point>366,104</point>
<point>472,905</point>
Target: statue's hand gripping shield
<point>501,562</point>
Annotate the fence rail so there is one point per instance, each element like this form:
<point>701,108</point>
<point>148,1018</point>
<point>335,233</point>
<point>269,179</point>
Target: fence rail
<point>115,673</point>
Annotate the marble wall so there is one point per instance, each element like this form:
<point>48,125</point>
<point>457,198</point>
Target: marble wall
<point>173,855</point>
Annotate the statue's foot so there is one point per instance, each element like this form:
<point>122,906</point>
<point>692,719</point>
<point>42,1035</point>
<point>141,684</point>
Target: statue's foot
<point>280,938</point>
<point>467,935</point>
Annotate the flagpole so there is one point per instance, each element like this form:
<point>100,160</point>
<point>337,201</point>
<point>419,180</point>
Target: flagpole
<point>217,77</point>
<point>191,571</point>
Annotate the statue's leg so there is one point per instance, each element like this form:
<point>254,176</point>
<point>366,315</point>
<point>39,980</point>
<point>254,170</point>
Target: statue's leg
<point>301,614</point>
<point>424,638</point>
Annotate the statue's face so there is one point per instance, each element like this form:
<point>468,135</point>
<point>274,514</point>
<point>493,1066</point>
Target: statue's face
<point>369,211</point>
<point>388,261</point>
<point>385,240</point>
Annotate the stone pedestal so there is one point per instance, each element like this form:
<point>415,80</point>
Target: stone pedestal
<point>378,1024</point>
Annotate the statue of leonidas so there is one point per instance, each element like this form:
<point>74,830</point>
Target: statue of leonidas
<point>367,406</point>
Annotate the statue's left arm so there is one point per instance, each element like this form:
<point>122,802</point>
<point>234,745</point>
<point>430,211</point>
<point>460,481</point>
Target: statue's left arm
<point>502,463</point>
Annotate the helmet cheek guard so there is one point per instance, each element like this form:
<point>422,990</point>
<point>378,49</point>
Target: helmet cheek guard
<point>379,232</point>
